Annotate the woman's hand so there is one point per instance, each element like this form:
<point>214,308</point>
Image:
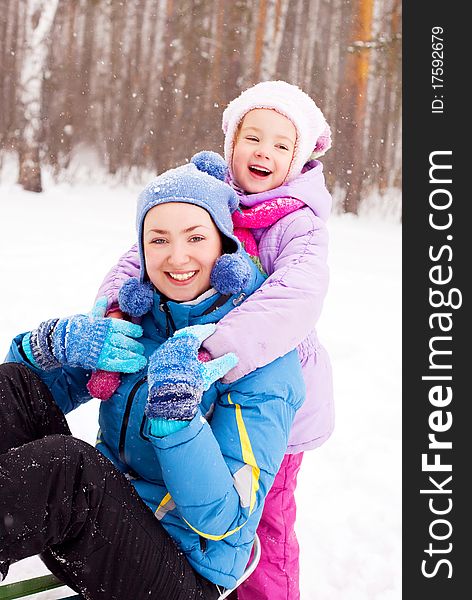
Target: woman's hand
<point>88,341</point>
<point>177,378</point>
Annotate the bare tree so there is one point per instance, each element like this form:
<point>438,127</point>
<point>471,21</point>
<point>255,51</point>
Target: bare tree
<point>39,19</point>
<point>353,103</point>
<point>10,42</point>
<point>389,162</point>
<point>274,28</point>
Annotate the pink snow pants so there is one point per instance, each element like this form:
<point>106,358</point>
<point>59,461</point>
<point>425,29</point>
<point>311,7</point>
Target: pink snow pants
<point>277,574</point>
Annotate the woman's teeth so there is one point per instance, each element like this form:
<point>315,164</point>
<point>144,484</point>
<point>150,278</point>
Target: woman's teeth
<point>182,276</point>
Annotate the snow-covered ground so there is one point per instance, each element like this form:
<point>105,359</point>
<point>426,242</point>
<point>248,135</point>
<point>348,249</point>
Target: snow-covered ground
<point>55,249</point>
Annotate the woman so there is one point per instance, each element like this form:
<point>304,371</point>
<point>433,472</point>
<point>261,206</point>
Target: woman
<point>174,516</point>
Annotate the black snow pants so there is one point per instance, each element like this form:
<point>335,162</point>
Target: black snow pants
<point>62,499</point>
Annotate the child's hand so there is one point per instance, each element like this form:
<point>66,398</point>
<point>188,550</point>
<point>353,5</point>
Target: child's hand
<point>103,384</point>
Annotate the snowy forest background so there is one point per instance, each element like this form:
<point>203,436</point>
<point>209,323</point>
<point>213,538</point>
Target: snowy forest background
<point>141,85</point>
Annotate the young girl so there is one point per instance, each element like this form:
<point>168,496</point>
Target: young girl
<point>273,134</point>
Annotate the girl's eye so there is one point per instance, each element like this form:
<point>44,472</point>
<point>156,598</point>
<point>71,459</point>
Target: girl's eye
<point>282,147</point>
<point>252,138</point>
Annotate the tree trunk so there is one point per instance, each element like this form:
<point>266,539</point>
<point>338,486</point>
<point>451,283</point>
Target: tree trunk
<point>10,42</point>
<point>355,93</point>
<point>276,13</point>
<point>39,19</point>
<point>259,39</point>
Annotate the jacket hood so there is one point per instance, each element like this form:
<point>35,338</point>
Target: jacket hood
<point>309,187</point>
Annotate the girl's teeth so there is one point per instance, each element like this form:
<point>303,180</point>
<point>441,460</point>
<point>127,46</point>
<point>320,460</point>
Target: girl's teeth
<point>260,170</point>
<point>182,276</point>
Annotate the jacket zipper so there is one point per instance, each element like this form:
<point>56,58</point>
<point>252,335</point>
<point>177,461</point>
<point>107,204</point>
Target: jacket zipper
<point>219,302</point>
<point>124,424</point>
<point>129,403</point>
<point>169,320</point>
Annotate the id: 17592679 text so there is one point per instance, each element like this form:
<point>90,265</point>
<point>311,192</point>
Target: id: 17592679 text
<point>437,69</point>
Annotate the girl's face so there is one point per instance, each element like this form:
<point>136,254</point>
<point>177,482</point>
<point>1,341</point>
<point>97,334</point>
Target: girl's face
<point>263,150</point>
<point>181,244</point>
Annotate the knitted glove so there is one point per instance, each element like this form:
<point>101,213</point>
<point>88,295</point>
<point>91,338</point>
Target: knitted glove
<point>87,341</point>
<point>177,378</point>
<point>103,384</point>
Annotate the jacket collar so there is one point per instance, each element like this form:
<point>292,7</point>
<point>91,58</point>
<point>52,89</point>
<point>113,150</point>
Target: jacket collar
<point>309,187</point>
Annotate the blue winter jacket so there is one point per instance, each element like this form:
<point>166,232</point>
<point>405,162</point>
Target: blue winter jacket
<point>207,482</point>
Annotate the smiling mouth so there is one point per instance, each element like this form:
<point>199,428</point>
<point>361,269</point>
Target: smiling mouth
<point>181,277</point>
<point>259,171</point>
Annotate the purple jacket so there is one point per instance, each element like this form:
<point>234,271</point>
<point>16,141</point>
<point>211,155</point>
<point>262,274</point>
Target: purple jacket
<point>283,312</point>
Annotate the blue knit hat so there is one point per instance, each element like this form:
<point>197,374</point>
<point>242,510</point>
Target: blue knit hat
<point>200,182</point>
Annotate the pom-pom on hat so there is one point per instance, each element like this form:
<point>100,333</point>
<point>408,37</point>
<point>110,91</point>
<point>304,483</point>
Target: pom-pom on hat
<point>200,182</point>
<point>313,132</point>
<point>135,297</point>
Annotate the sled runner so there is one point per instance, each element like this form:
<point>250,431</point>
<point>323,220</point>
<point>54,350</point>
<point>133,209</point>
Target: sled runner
<point>27,587</point>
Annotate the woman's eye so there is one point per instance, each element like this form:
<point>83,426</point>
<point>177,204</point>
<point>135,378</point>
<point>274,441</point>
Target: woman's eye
<point>196,238</point>
<point>158,241</point>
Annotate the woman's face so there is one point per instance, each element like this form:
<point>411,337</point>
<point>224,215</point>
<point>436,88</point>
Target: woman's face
<point>181,245</point>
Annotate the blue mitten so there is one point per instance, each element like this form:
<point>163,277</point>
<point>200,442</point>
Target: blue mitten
<point>88,341</point>
<point>177,379</point>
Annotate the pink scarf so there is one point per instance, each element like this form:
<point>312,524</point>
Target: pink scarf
<point>264,214</point>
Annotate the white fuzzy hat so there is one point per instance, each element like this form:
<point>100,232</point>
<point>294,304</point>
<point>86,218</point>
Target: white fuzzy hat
<point>313,132</point>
